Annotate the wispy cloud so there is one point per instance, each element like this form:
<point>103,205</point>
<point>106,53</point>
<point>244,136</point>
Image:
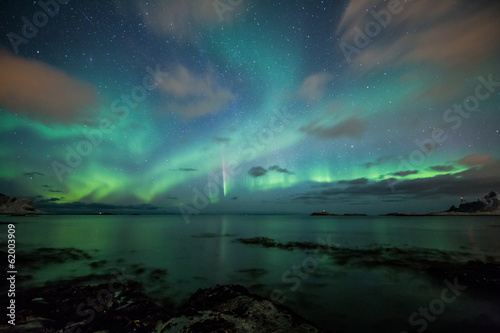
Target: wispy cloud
<point>280,170</point>
<point>32,174</point>
<point>438,33</point>
<point>194,96</point>
<point>442,168</point>
<point>352,127</point>
<point>53,96</point>
<point>379,161</point>
<point>475,160</point>
<point>405,173</point>
<point>186,169</point>
<point>183,19</point>
<point>314,86</point>
<point>220,139</point>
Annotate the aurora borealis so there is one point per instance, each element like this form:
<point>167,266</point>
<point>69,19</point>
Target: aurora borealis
<point>241,106</point>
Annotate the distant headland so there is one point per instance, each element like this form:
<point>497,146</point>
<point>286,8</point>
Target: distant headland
<point>15,206</point>
<point>485,206</point>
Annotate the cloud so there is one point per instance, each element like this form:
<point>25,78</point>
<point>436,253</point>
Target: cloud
<point>439,34</point>
<point>41,92</point>
<point>351,127</point>
<point>33,174</point>
<point>183,19</point>
<point>194,96</point>
<point>471,182</point>
<point>475,160</point>
<point>405,173</point>
<point>314,86</point>
<point>221,139</point>
<point>359,181</point>
<point>257,171</point>
<point>50,205</point>
<point>187,169</point>
<point>379,161</point>
<point>442,168</point>
<point>280,170</point>
<point>234,198</point>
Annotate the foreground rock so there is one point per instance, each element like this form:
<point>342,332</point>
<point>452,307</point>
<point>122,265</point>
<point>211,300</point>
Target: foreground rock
<point>82,308</point>
<point>232,308</point>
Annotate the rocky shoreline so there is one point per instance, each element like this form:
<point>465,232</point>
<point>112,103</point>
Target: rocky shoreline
<point>75,306</point>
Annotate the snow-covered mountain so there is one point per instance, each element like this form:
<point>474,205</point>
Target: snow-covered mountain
<point>10,205</point>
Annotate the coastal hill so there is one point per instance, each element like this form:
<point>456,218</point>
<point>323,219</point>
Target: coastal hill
<point>9,205</point>
<point>485,206</point>
<point>490,203</point>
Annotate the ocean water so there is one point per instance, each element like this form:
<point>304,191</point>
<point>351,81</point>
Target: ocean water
<point>355,288</point>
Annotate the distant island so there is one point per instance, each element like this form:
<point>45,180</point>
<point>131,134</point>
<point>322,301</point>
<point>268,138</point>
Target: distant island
<point>325,213</point>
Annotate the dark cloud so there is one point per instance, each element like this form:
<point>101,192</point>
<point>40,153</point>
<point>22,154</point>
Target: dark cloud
<point>359,181</point>
<point>221,139</point>
<point>32,174</point>
<point>278,169</point>
<point>442,168</point>
<point>351,127</point>
<point>43,202</point>
<point>56,191</point>
<point>405,173</point>
<point>53,95</point>
<point>309,198</point>
<point>379,161</point>
<point>257,171</point>
<point>186,169</point>
<point>472,182</point>
<point>47,186</point>
<point>234,198</point>
<point>50,205</point>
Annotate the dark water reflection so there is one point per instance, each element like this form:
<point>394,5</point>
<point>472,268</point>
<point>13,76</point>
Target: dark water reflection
<point>347,274</point>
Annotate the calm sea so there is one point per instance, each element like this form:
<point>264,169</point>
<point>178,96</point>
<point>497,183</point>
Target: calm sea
<point>351,296</point>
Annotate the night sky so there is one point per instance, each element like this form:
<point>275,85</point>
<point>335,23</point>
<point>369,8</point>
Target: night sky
<point>249,106</point>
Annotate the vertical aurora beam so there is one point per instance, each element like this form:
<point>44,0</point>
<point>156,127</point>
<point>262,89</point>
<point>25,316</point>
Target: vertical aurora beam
<point>224,174</point>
